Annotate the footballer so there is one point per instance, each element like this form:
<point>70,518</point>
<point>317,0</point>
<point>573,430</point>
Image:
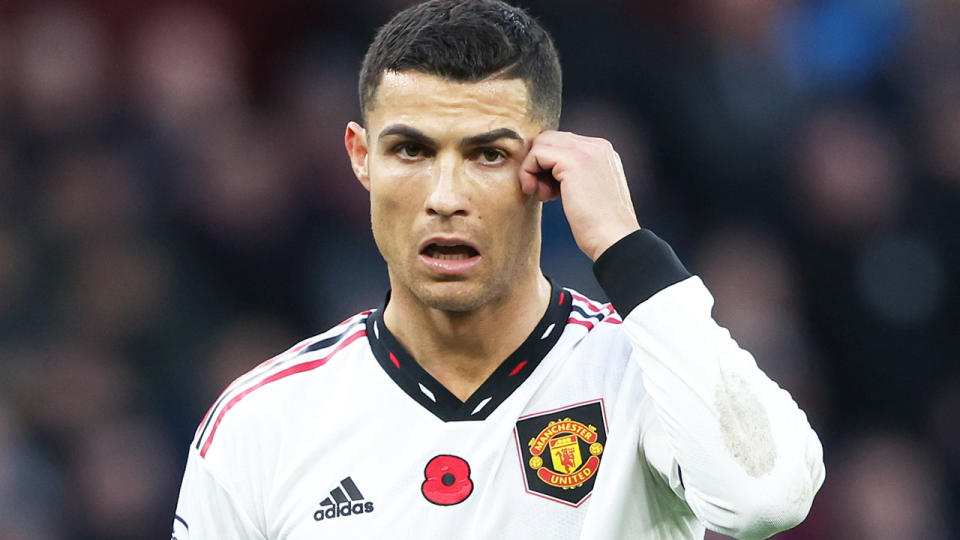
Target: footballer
<point>483,400</point>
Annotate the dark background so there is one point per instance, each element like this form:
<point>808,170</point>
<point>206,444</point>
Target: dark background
<point>176,206</point>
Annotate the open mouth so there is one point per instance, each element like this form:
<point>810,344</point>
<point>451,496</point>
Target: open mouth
<point>449,252</point>
<point>450,257</point>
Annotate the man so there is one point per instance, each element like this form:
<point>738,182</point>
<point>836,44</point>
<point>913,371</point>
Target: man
<point>482,400</point>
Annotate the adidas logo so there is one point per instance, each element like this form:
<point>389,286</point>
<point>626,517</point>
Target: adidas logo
<point>339,505</point>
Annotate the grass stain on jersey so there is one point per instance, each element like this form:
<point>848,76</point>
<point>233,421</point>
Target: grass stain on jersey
<point>745,425</point>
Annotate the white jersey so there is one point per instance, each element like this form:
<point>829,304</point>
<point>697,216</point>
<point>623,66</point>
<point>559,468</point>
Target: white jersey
<point>651,426</point>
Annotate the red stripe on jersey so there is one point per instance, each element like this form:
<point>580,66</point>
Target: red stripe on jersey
<point>588,324</point>
<point>310,341</point>
<point>394,360</point>
<point>261,366</point>
<point>292,370</point>
<point>611,320</point>
<point>560,302</point>
<point>585,300</point>
<point>348,319</point>
<point>519,366</point>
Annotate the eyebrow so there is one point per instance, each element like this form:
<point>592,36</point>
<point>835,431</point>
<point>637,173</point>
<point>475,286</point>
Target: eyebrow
<point>489,137</point>
<point>467,142</point>
<point>408,132</point>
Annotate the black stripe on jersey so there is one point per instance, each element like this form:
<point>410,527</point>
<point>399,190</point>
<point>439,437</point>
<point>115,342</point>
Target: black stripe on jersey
<point>599,316</point>
<point>509,375</point>
<point>324,343</point>
<point>281,364</point>
<point>181,520</point>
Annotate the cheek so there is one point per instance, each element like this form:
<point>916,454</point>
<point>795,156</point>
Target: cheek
<point>394,195</point>
<point>497,195</point>
<point>516,224</point>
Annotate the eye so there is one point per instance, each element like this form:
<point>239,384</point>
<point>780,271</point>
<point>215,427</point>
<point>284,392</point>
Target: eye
<point>491,156</point>
<point>409,151</point>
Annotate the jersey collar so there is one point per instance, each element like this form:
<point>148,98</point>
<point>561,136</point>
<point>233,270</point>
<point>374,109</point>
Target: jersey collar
<point>509,375</point>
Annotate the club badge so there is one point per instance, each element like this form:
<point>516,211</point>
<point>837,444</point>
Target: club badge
<point>561,451</point>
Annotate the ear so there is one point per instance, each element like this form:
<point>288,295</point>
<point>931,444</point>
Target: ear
<point>355,139</point>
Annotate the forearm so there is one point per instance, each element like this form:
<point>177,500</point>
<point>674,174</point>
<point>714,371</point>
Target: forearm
<point>749,462</point>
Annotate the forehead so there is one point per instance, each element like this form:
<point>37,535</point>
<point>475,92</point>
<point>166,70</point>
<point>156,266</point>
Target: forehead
<point>417,98</point>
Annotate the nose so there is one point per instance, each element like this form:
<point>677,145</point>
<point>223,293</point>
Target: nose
<point>448,193</point>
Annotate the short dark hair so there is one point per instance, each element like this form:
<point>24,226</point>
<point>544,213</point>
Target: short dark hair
<point>468,41</point>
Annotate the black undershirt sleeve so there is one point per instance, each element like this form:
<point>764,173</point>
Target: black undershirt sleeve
<point>637,267</point>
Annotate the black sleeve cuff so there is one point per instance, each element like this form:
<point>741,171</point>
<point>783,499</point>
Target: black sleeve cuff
<point>637,267</point>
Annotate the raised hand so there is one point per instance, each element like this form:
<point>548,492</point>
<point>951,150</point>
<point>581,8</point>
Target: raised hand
<point>587,174</point>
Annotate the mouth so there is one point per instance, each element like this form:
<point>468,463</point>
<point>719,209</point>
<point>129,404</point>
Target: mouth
<point>449,252</point>
<point>449,257</point>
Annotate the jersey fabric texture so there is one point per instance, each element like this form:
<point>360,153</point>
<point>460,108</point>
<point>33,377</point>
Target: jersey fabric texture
<point>655,426</point>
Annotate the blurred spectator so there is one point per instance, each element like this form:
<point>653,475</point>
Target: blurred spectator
<point>60,409</point>
<point>186,68</point>
<point>887,487</point>
<point>840,45</point>
<point>933,41</point>
<point>849,173</point>
<point>89,195</point>
<point>938,124</point>
<point>30,498</point>
<point>62,65</point>
<point>15,269</point>
<point>122,471</point>
<point>318,96</point>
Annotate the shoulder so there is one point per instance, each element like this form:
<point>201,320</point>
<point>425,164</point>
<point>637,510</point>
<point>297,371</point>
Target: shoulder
<point>252,397</point>
<point>595,329</point>
<point>596,351</point>
<point>589,313</point>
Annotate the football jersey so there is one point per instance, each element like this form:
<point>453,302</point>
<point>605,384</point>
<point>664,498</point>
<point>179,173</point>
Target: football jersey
<point>650,426</point>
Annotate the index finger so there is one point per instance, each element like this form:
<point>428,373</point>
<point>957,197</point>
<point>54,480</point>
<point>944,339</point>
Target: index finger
<point>536,172</point>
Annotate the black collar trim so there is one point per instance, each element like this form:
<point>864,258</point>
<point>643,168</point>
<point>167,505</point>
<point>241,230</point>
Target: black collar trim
<point>433,396</point>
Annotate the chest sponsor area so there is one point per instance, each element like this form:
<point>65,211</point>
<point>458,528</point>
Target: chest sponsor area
<point>561,451</point>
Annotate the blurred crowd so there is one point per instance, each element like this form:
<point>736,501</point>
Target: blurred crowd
<point>176,206</point>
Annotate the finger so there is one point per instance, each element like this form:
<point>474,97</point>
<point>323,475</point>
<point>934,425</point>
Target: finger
<point>542,182</point>
<point>548,189</point>
<point>543,158</point>
<point>532,161</point>
<point>541,165</point>
<point>533,171</point>
<point>543,185</point>
<point>528,182</point>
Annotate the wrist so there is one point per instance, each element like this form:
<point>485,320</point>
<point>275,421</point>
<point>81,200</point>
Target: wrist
<point>609,239</point>
<point>637,267</point>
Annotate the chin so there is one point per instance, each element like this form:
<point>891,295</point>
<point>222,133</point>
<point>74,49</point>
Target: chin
<point>453,296</point>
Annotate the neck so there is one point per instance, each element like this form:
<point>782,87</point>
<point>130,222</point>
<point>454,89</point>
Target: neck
<point>462,349</point>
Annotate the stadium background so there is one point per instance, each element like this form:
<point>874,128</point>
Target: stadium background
<point>176,206</point>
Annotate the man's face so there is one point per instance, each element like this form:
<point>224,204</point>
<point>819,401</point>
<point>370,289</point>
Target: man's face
<point>440,160</point>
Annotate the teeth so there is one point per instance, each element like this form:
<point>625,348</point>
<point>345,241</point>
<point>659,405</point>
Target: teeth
<point>450,257</point>
<point>450,252</point>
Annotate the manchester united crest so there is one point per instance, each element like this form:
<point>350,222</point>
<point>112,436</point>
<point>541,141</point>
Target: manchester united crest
<point>561,451</point>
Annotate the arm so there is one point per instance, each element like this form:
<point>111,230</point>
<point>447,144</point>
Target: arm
<point>207,509</point>
<point>731,442</point>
